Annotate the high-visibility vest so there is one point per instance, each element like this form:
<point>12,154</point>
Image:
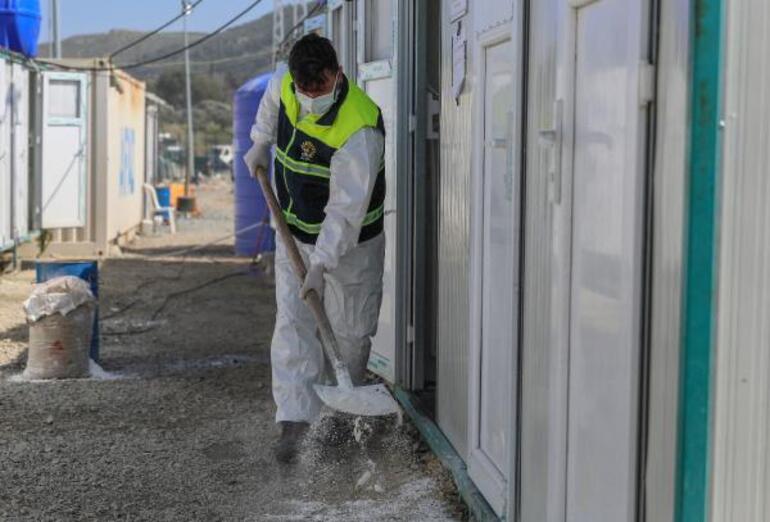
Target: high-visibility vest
<point>304,150</point>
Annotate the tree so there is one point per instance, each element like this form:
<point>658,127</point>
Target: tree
<point>170,86</point>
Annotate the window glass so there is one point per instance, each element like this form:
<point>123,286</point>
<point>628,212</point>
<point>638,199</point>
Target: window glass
<point>64,98</point>
<point>379,33</point>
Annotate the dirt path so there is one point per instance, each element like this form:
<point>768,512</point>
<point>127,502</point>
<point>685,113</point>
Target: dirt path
<point>183,428</point>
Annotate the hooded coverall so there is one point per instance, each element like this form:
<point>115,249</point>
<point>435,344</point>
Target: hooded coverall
<point>353,269</point>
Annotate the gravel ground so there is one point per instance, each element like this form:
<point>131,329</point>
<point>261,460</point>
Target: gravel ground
<point>180,424</point>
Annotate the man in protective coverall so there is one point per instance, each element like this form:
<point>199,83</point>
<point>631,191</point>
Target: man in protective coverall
<point>330,180</point>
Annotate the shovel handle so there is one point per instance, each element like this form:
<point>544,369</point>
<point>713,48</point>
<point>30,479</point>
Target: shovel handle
<point>313,300</point>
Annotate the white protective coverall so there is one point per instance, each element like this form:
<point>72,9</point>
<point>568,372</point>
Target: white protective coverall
<point>353,271</point>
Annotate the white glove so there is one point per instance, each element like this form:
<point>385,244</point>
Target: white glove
<point>257,156</point>
<point>314,280</point>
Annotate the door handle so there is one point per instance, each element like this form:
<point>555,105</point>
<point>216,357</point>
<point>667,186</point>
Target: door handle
<point>551,140</point>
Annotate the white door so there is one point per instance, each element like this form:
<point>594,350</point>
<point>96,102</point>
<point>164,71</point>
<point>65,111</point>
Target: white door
<point>19,154</point>
<point>6,236</point>
<point>606,262</point>
<point>375,76</point>
<point>495,279</point>
<point>64,183</point>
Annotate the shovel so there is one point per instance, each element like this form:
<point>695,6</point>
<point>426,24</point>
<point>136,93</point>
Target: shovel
<point>369,400</point>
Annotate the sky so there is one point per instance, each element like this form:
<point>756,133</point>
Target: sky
<point>99,16</point>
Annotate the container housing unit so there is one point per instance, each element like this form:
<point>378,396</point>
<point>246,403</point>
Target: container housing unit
<point>576,288</point>
<point>93,157</point>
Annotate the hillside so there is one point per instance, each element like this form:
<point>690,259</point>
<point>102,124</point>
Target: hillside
<point>230,58</point>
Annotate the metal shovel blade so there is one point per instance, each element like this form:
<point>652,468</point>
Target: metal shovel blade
<point>372,400</point>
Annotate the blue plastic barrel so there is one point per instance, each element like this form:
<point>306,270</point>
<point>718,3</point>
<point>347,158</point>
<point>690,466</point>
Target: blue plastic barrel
<point>20,25</point>
<point>250,205</point>
<point>164,199</point>
<point>88,271</point>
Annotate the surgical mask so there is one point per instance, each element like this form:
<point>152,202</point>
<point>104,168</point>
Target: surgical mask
<point>320,104</point>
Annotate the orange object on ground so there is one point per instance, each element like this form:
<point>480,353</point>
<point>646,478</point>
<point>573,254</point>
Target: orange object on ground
<point>177,189</point>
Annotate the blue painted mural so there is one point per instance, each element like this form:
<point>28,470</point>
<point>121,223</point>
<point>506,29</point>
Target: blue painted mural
<point>127,142</point>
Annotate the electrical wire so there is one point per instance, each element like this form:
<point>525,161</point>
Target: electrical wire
<point>154,31</point>
<point>162,57</point>
<point>169,297</point>
<point>184,253</point>
<point>210,62</point>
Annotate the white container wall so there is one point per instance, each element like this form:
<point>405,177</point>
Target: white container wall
<point>741,433</point>
<point>454,246</point>
<point>6,194</point>
<point>125,156</point>
<point>19,101</point>
<point>15,189</point>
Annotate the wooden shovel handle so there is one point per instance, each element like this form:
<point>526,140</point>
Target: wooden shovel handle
<point>313,300</point>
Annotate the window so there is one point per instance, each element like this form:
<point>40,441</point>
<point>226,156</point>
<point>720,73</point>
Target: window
<point>379,30</point>
<point>64,98</point>
<point>336,30</point>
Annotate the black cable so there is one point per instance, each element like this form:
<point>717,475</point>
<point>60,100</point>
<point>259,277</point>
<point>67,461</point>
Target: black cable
<point>201,286</point>
<point>170,297</point>
<point>154,31</point>
<point>162,57</point>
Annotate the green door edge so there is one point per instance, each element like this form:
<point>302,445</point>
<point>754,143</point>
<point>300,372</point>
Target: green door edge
<point>700,265</point>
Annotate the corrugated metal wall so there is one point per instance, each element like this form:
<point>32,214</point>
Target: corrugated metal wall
<point>667,240</point>
<point>15,187</point>
<point>453,254</point>
<point>6,234</point>
<point>741,434</point>
<point>19,153</point>
<point>537,412</point>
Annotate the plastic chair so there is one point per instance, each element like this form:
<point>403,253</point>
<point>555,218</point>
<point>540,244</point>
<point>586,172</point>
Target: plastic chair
<point>158,211</point>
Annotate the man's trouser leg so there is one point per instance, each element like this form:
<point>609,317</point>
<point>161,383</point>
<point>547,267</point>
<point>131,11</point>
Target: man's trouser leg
<point>352,299</point>
<point>296,355</point>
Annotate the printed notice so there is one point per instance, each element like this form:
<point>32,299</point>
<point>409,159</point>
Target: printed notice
<point>458,59</point>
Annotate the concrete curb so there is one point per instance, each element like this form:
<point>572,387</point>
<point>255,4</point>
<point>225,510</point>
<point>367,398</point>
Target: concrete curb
<point>438,443</point>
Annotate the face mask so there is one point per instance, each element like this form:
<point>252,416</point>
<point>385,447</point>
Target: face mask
<point>320,104</point>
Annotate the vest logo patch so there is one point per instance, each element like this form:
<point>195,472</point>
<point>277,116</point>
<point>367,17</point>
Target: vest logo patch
<point>308,151</point>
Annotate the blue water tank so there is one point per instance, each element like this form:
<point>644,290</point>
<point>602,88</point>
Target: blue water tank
<point>250,205</point>
<point>20,25</point>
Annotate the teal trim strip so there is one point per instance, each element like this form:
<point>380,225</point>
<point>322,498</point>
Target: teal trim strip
<point>478,506</point>
<point>699,307</point>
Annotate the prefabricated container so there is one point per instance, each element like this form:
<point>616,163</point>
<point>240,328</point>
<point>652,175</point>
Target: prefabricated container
<point>88,271</point>
<point>93,158</point>
<point>250,205</point>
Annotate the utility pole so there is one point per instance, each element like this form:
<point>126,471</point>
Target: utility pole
<point>56,40</point>
<point>188,203</point>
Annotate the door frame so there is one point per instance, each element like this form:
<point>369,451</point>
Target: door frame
<point>500,491</point>
<point>367,71</point>
<point>81,122</point>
